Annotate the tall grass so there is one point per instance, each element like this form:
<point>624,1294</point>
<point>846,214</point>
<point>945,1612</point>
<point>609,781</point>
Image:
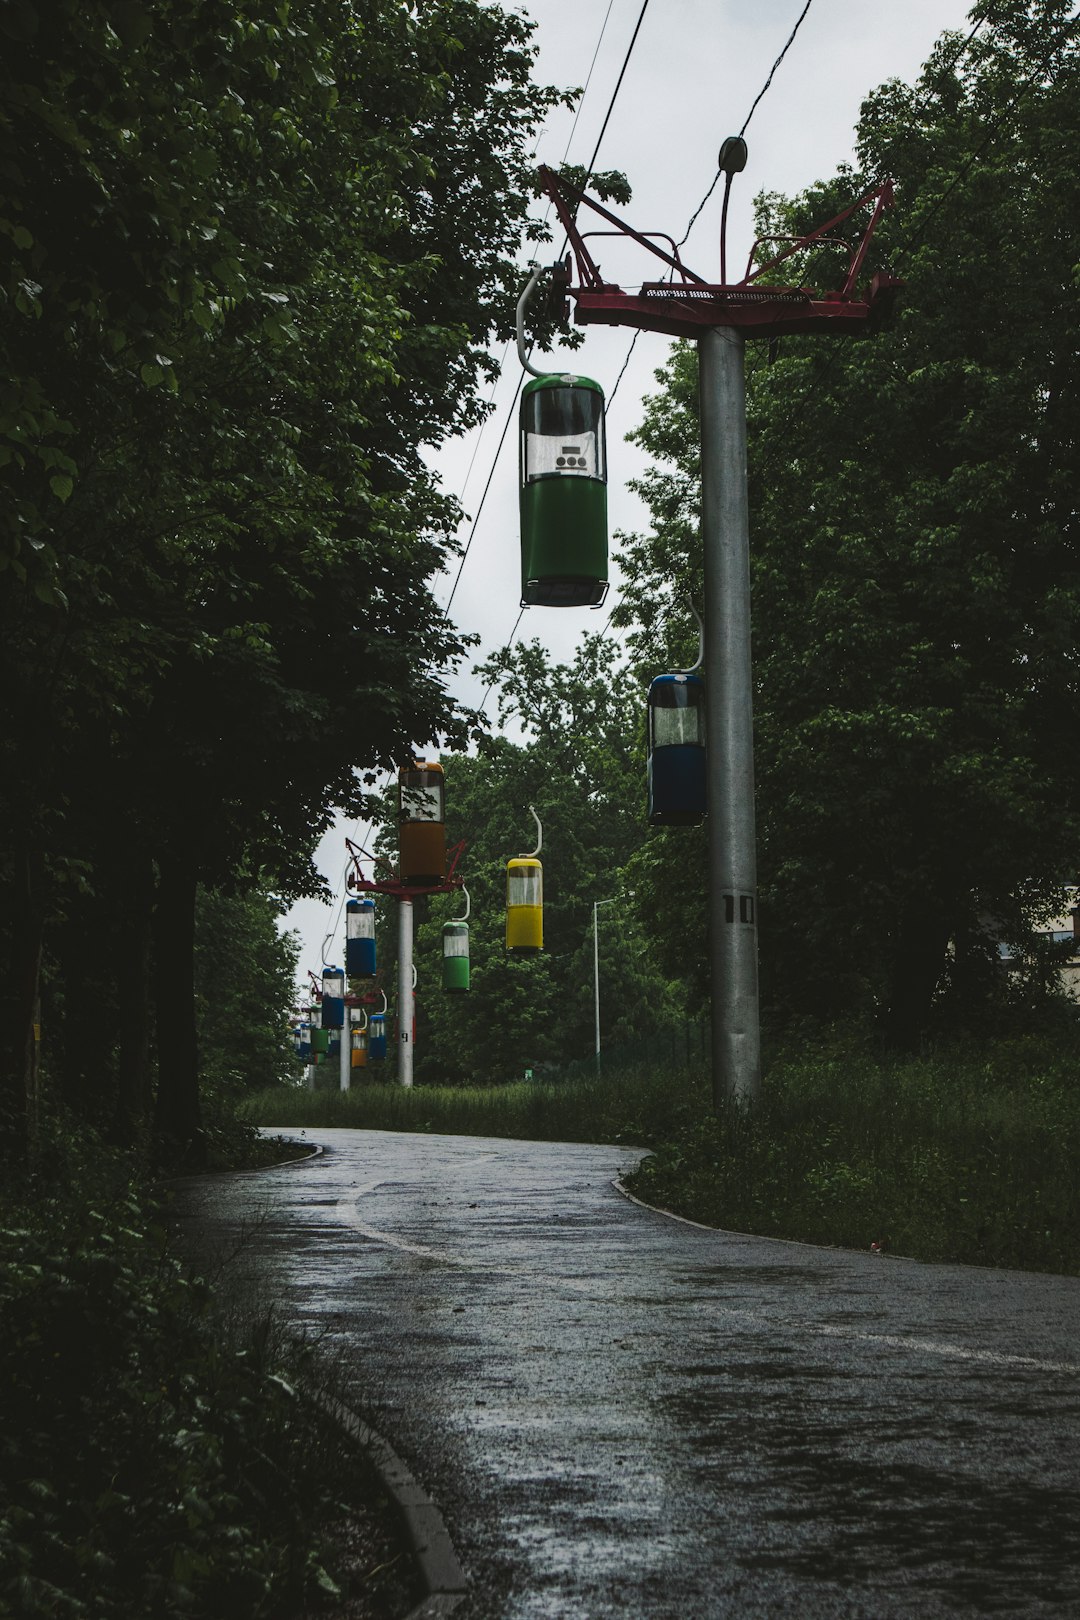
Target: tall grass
<point>968,1155</point>
<point>631,1104</point>
<point>963,1156</point>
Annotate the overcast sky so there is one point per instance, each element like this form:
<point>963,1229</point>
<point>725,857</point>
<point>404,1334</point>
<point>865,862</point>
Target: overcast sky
<point>694,73</point>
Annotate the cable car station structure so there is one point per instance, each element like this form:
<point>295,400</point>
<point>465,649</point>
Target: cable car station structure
<point>719,316</point>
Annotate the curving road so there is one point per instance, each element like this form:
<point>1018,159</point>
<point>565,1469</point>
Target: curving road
<point>622,1414</point>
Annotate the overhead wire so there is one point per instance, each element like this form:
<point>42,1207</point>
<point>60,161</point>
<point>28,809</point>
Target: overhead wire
<point>510,414</point>
<point>825,368</point>
<point>697,212</point>
<point>746,120</point>
<point>513,402</point>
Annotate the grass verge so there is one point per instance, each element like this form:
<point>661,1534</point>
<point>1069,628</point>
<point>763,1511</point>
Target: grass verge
<point>155,1459</point>
<point>969,1155</point>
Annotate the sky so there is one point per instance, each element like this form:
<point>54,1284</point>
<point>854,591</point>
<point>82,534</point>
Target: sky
<point>691,79</point>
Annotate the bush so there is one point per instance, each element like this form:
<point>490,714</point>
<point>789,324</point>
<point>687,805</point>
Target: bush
<point>150,1461</point>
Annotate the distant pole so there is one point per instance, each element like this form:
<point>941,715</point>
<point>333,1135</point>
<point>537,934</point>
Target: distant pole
<point>736,1038</point>
<point>596,970</point>
<point>345,1059</point>
<point>405,992</point>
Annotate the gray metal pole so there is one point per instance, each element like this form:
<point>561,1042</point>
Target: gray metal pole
<point>596,977</point>
<point>736,1038</point>
<point>596,970</point>
<point>405,992</point>
<point>345,1060</point>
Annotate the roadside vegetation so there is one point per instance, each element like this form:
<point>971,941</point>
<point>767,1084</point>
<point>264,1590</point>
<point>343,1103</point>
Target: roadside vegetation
<point>968,1154</point>
<point>198,588</point>
<point>156,1458</point>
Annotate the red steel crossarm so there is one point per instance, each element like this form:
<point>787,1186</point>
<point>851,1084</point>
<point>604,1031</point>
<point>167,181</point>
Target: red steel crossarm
<point>588,269</point>
<point>687,307</point>
<point>884,200</point>
<point>394,887</point>
<point>883,197</point>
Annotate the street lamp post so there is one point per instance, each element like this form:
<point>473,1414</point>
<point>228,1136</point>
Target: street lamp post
<point>596,969</point>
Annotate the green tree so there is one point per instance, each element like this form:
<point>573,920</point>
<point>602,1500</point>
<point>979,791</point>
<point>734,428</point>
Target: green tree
<point>242,296</point>
<point>245,974</point>
<point>581,765</point>
<point>916,587</point>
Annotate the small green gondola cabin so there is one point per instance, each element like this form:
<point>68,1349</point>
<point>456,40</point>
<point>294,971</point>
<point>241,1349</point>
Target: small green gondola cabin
<point>563,461</point>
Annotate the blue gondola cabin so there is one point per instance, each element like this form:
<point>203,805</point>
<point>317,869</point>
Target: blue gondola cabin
<point>676,755</point>
<point>360,939</point>
<point>333,998</point>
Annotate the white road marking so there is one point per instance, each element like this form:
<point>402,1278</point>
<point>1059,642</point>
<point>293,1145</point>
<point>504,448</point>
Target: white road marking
<point>942,1347</point>
<point>893,1341</point>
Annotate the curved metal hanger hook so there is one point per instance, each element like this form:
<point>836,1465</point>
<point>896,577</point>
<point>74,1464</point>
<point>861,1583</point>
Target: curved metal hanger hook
<point>539,838</point>
<point>385,1002</point>
<point>701,637</point>
<point>468,906</point>
<point>527,365</point>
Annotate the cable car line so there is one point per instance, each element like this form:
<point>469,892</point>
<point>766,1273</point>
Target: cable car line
<point>746,120</point>
<point>615,92</point>
<point>487,486</point>
<point>585,88</point>
<point>825,368</point>
<point>995,127</point>
<point>513,402</point>
<point>592,162</point>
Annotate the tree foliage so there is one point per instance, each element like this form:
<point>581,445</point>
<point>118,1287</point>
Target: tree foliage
<point>915,566</point>
<point>252,260</point>
<point>580,763</point>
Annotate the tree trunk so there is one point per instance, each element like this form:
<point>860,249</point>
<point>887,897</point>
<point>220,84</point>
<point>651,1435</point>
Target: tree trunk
<point>133,1065</point>
<point>178,1120</point>
<point>19,1008</point>
<point>82,1060</point>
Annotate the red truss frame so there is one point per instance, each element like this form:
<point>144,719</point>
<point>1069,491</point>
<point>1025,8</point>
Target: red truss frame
<point>683,307</point>
<point>393,886</point>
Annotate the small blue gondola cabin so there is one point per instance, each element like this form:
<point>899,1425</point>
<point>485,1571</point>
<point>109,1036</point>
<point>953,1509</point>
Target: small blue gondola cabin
<point>676,751</point>
<point>333,998</point>
<point>360,939</point>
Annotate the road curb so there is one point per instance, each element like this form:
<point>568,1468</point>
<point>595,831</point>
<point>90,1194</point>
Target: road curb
<point>798,1243</point>
<point>436,1561</point>
<point>658,1209</point>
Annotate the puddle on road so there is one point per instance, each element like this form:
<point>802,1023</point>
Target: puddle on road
<point>994,1548</point>
<point>719,1273</point>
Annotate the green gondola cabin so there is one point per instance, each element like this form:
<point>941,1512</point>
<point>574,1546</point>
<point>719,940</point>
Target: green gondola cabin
<point>563,460</point>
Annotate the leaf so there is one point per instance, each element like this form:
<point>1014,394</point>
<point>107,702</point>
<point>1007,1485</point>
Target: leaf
<point>61,485</point>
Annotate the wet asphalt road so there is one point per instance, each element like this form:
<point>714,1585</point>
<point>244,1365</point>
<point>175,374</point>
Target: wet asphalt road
<point>621,1414</point>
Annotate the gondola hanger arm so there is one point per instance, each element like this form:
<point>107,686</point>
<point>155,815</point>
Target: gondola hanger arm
<point>539,838</point>
<point>468,906</point>
<point>701,638</point>
<point>526,363</point>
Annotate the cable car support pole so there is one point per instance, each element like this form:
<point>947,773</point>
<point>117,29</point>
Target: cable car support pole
<point>405,990</point>
<point>345,1053</point>
<point>765,303</point>
<point>729,735</point>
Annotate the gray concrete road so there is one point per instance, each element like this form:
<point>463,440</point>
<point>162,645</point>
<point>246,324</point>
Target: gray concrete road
<point>621,1414</point>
